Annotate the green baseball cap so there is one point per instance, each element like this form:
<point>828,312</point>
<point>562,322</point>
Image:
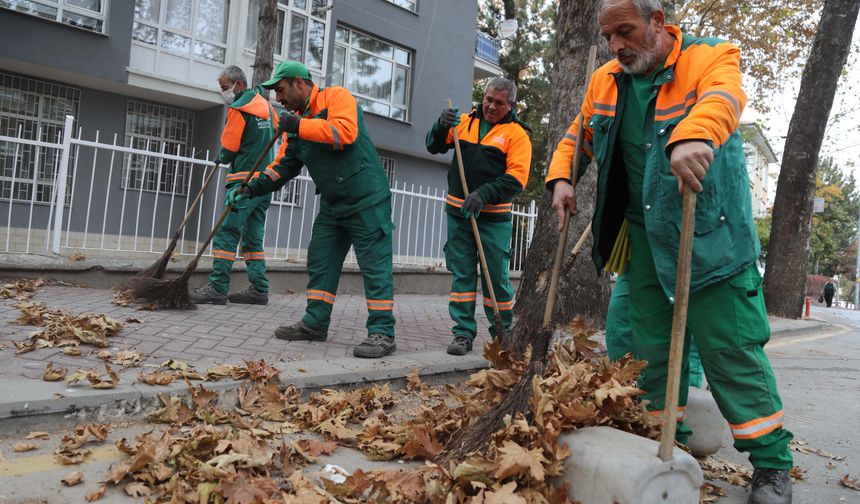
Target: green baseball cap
<point>288,69</point>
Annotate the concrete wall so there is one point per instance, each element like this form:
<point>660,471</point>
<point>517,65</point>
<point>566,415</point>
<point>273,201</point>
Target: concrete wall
<point>56,46</point>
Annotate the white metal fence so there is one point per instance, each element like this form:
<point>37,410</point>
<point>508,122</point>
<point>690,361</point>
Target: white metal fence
<point>109,218</point>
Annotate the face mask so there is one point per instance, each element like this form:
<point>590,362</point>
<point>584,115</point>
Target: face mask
<point>228,95</point>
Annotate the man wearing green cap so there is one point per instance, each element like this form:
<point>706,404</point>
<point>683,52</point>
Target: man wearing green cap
<point>326,133</point>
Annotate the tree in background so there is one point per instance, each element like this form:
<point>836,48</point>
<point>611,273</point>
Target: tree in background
<point>789,247</point>
<point>265,49</point>
<point>834,231</point>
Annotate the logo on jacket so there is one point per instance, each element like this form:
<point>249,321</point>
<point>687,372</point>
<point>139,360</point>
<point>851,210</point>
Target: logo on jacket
<point>499,140</point>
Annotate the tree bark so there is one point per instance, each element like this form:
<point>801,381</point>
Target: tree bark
<point>788,251</point>
<point>264,55</point>
<point>583,291</point>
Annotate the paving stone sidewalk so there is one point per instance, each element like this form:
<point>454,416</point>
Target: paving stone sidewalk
<point>227,334</point>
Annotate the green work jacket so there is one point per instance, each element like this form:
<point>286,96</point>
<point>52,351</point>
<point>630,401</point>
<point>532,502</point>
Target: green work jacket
<point>696,96</point>
<point>333,143</point>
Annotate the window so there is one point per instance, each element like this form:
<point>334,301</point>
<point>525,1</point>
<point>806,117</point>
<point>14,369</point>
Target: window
<point>35,110</point>
<point>86,14</point>
<point>156,129</point>
<point>376,72</point>
<point>388,166</point>
<point>300,32</point>
<point>410,5</point>
<point>193,28</point>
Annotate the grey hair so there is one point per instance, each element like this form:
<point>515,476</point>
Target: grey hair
<point>503,84</point>
<point>646,8</point>
<point>234,73</point>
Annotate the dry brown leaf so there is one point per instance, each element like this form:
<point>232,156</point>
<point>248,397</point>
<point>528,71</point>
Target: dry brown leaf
<point>128,358</point>
<point>78,257</point>
<point>104,354</point>
<point>24,447</point>
<point>413,381</point>
<point>245,491</point>
<point>72,350</point>
<point>96,494</point>
<point>157,378</point>
<point>73,478</point>
<point>802,447</point>
<point>54,374</point>
<point>137,489</point>
<point>852,483</point>
<point>317,448</point>
<point>132,320</point>
<point>504,495</point>
<point>21,290</point>
<point>37,435</point>
<point>798,473</point>
<point>516,460</point>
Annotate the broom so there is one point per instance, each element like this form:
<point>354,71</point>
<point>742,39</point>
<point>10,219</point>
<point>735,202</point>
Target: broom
<point>173,293</point>
<point>159,267</point>
<point>497,315</point>
<point>476,436</point>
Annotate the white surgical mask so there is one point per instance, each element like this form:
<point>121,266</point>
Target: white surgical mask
<point>228,95</point>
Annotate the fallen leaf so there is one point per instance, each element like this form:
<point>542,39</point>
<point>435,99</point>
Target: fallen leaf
<point>244,491</point>
<point>317,448</point>
<point>852,483</point>
<point>157,378</point>
<point>96,494</point>
<point>24,447</point>
<point>38,435</point>
<point>798,473</point>
<point>52,374</point>
<point>78,257</point>
<point>73,478</point>
<point>104,355</point>
<point>137,489</point>
<point>132,320</point>
<point>517,460</point>
<point>504,495</point>
<point>175,364</point>
<point>72,350</point>
<point>413,382</point>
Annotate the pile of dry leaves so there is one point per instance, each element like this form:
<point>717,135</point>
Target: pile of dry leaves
<point>63,329</point>
<point>240,455</point>
<point>21,290</point>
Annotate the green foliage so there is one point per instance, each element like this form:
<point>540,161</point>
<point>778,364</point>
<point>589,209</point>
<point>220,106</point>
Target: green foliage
<point>762,229</point>
<point>834,231</point>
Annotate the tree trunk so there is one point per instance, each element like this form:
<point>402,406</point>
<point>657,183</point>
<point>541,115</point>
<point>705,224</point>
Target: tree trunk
<point>583,291</point>
<point>788,251</point>
<point>264,56</point>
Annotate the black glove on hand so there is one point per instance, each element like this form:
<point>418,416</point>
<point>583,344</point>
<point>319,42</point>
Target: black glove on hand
<point>472,205</point>
<point>449,118</point>
<point>289,122</point>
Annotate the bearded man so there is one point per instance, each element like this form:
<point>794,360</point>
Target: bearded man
<point>660,116</point>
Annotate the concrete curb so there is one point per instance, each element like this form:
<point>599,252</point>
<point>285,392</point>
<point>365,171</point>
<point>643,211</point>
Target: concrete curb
<point>22,397</point>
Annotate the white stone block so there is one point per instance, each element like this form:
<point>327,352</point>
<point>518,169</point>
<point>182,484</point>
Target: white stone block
<point>707,423</point>
<point>609,466</point>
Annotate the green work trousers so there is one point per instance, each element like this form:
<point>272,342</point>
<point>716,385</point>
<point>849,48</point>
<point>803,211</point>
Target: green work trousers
<point>729,323</point>
<point>247,222</point>
<point>369,233</point>
<point>619,336</point>
<point>461,258</point>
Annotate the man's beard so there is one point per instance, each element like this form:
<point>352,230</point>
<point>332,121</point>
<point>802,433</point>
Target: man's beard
<point>646,58</point>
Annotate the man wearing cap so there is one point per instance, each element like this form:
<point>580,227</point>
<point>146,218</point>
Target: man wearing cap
<point>326,133</point>
<point>251,122</point>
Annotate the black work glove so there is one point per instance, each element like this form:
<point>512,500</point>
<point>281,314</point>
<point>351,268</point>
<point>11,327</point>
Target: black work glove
<point>472,205</point>
<point>449,118</point>
<point>289,122</point>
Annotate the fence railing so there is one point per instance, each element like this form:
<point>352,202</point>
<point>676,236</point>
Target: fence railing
<point>487,48</point>
<point>121,201</point>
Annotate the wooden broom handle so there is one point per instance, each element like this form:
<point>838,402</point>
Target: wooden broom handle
<point>679,324</point>
<point>197,198</point>
<point>487,280</point>
<point>574,178</point>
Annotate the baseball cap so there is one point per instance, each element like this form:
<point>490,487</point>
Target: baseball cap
<point>288,69</point>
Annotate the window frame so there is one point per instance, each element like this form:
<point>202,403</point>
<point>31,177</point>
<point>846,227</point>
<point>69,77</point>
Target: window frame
<point>414,3</point>
<point>161,27</point>
<point>283,52</point>
<point>348,47</point>
<point>180,169</point>
<point>389,166</point>
<point>43,90</point>
<point>62,8</point>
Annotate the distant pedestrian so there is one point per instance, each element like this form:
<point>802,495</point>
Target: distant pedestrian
<point>829,292</point>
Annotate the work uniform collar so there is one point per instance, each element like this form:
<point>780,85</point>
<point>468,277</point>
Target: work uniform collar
<point>478,113</point>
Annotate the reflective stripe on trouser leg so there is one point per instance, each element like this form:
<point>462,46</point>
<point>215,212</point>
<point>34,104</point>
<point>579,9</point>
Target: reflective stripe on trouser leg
<point>461,259</point>
<point>252,244</point>
<point>729,322</point>
<point>496,240</point>
<point>326,252</point>
<point>224,249</point>
<point>370,233</point>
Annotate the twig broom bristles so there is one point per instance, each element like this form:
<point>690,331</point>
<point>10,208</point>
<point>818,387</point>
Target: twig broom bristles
<point>173,293</point>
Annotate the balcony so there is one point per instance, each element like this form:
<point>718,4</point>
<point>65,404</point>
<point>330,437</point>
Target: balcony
<point>487,56</point>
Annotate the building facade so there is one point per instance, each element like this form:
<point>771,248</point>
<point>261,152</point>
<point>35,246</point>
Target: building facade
<point>139,77</point>
<point>759,156</point>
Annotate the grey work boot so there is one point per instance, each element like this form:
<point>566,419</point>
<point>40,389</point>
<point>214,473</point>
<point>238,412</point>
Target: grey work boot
<point>460,346</point>
<point>207,294</point>
<point>300,332</point>
<point>249,296</point>
<point>770,486</point>
<point>375,346</point>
